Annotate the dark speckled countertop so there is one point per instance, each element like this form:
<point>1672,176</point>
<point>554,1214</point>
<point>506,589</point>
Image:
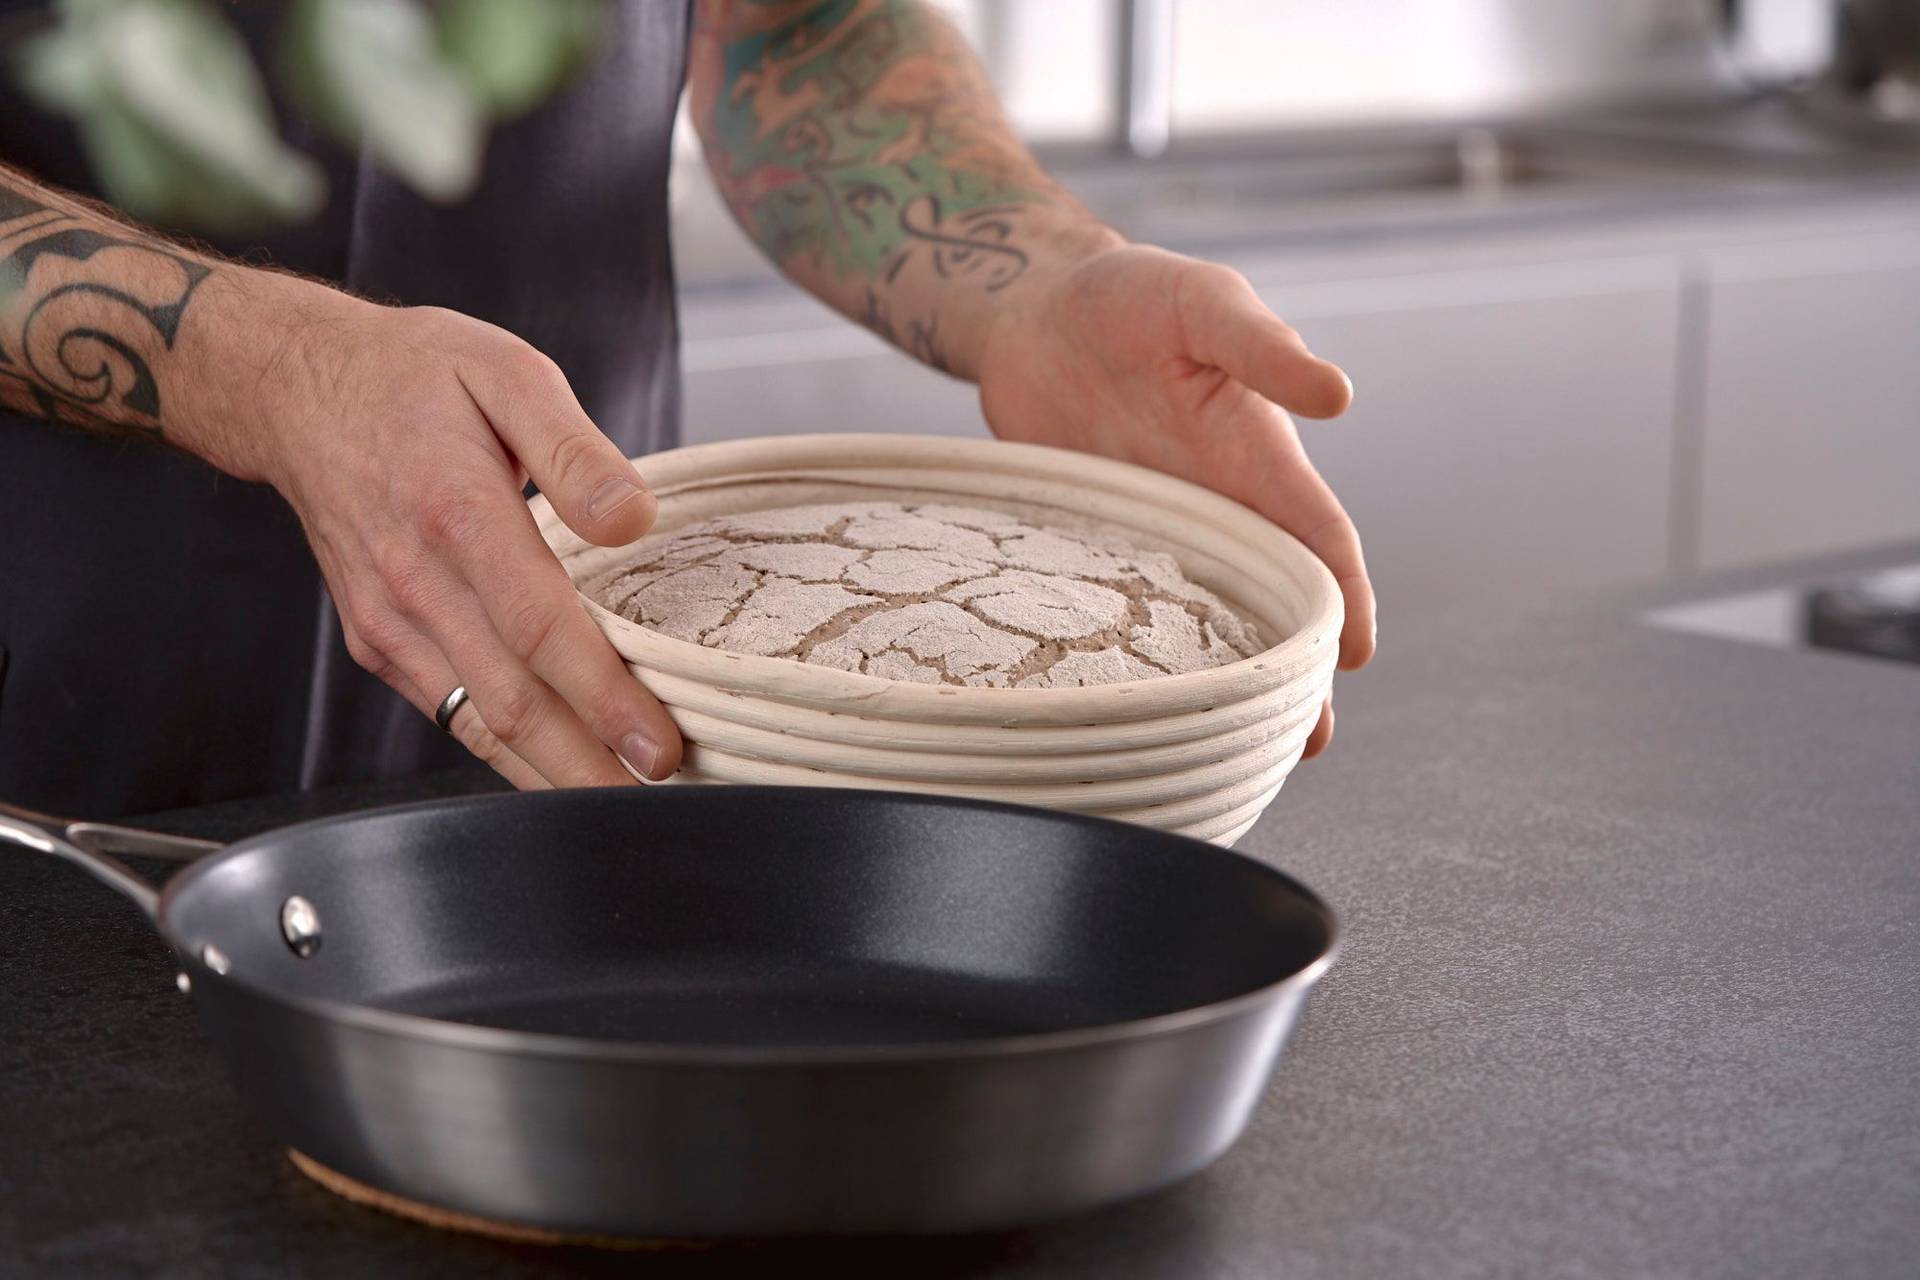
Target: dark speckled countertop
<point>1629,988</point>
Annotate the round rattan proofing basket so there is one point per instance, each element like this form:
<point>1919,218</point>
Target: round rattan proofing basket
<point>1201,753</point>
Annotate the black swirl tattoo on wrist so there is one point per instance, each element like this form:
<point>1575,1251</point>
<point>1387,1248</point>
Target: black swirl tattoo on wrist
<point>85,348</point>
<point>970,243</point>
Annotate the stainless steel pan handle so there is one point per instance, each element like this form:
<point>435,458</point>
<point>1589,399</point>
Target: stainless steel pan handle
<point>91,846</point>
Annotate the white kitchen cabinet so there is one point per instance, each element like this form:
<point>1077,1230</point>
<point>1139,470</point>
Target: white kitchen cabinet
<point>1511,434</point>
<point>1810,401</point>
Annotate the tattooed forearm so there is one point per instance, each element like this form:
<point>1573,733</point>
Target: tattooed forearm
<point>860,144</point>
<point>89,312</point>
<point>850,131</point>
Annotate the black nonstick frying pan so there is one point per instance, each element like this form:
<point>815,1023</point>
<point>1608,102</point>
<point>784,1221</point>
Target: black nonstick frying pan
<point>735,1011</point>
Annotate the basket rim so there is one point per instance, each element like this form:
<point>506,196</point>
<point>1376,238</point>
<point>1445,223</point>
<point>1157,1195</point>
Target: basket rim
<point>707,466</point>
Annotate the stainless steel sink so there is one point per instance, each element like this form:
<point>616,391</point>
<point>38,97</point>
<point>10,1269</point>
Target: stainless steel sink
<point>1393,178</point>
<point>1471,160</point>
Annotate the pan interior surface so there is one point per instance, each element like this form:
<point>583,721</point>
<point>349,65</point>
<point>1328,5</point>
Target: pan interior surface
<point>767,917</point>
<point>680,1000</point>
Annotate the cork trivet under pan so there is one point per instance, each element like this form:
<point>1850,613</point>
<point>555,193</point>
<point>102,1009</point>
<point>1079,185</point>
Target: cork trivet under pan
<point>454,1220</point>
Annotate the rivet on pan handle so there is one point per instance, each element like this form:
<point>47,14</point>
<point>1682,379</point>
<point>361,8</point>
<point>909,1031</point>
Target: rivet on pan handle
<point>300,926</point>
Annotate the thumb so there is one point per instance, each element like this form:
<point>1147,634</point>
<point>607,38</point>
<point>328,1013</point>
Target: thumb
<point>1229,327</point>
<point>592,487</point>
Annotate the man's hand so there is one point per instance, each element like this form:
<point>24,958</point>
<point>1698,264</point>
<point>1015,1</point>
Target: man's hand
<point>1175,364</point>
<point>403,437</point>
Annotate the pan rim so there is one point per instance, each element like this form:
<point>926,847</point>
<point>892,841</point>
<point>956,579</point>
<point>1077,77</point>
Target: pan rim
<point>498,1040</point>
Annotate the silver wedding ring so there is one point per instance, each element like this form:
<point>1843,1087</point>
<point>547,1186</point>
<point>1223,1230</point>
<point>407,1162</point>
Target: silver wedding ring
<point>450,707</point>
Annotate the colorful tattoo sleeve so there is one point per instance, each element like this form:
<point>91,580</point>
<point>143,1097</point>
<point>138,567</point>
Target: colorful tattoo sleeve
<point>860,145</point>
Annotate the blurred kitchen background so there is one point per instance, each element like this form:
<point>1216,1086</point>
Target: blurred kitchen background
<point>1629,289</point>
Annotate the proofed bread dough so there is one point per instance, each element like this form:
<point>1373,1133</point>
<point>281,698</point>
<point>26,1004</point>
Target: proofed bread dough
<point>934,594</point>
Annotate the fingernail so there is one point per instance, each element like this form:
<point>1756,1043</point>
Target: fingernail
<point>610,496</point>
<point>641,754</point>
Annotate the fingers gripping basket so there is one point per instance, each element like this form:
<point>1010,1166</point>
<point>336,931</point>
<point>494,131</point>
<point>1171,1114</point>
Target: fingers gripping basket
<point>1200,753</point>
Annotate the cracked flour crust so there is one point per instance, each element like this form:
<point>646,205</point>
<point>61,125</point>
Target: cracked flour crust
<point>929,593</point>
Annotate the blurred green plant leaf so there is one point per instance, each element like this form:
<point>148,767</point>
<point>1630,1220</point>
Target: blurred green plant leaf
<point>60,70</point>
<point>370,73</point>
<point>514,53</point>
<point>172,113</point>
<point>179,129</point>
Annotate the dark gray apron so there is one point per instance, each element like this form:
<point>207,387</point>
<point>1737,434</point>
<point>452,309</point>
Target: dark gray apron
<point>164,638</point>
